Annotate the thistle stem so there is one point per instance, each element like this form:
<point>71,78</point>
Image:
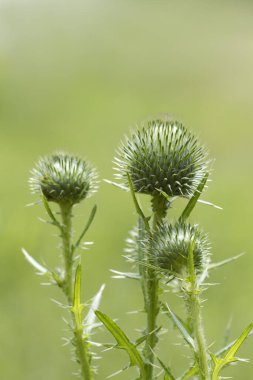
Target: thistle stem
<point>196,325</point>
<point>151,295</point>
<point>66,231</point>
<point>82,352</point>
<point>152,309</point>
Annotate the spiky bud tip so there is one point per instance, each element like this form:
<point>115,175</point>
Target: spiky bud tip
<point>162,156</point>
<point>63,178</point>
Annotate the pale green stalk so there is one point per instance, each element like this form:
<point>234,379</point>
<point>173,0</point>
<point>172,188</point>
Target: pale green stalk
<point>195,320</point>
<point>151,286</point>
<point>66,231</point>
<point>82,353</point>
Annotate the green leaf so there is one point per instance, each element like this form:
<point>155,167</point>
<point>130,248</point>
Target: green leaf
<point>50,213</point>
<point>122,341</point>
<point>90,220</point>
<point>192,202</point>
<point>137,206</point>
<point>229,357</point>
<point>77,306</point>
<point>189,340</point>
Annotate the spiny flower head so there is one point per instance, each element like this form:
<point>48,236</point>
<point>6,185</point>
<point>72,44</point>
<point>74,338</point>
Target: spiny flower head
<point>162,156</point>
<point>171,245</point>
<point>63,178</point>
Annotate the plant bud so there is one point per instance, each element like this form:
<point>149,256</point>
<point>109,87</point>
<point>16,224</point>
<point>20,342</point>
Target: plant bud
<point>163,156</point>
<point>63,178</point>
<point>171,245</point>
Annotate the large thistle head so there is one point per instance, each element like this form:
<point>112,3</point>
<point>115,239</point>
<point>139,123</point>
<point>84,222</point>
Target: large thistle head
<point>171,245</point>
<point>63,178</point>
<point>162,156</point>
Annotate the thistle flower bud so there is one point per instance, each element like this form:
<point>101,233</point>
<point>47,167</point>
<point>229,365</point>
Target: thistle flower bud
<point>171,246</point>
<point>63,178</point>
<point>163,156</point>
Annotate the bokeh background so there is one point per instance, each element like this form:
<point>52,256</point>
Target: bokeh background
<point>76,75</point>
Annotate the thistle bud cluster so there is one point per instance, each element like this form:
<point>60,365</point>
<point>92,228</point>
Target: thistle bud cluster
<point>164,159</point>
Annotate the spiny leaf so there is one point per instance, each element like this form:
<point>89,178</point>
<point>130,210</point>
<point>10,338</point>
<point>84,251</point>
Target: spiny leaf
<point>122,340</point>
<point>90,317</point>
<point>229,357</point>
<point>120,186</point>
<point>192,202</point>
<point>233,350</point>
<point>209,204</point>
<point>131,275</point>
<point>182,329</point>
<point>224,262</point>
<point>41,270</point>
<point>90,220</point>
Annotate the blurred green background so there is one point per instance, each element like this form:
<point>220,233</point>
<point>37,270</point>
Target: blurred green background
<point>76,75</point>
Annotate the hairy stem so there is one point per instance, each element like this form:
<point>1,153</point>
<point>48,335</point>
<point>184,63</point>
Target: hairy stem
<point>202,357</point>
<point>152,309</point>
<point>66,233</point>
<point>83,356</point>
<point>151,292</point>
<point>195,321</point>
<point>82,352</point>
<point>80,340</point>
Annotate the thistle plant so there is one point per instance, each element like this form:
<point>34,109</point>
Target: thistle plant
<point>163,160</point>
<point>67,180</point>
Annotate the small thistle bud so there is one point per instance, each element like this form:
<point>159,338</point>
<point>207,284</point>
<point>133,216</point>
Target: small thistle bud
<point>171,246</point>
<point>163,156</point>
<point>63,178</point>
